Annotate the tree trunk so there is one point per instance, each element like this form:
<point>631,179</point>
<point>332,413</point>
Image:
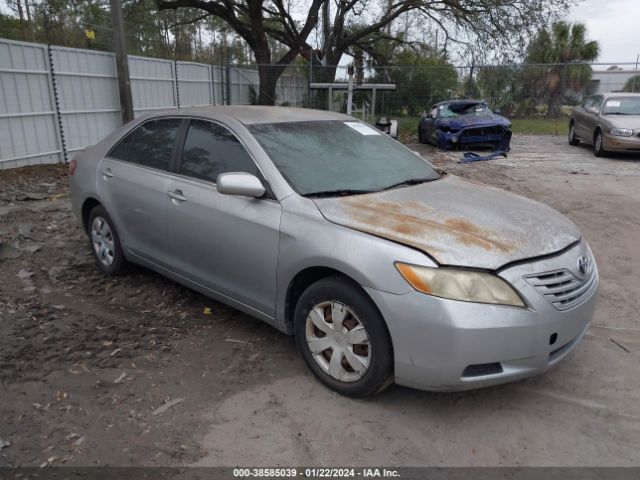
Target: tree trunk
<point>268,75</point>
<point>21,15</point>
<point>557,95</point>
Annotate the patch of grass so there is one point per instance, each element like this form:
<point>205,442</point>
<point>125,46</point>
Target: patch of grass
<point>407,126</point>
<point>541,126</point>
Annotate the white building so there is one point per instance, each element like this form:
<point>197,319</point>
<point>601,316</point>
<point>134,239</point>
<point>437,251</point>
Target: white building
<point>610,80</point>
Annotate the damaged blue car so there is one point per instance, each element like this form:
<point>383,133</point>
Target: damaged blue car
<point>464,124</point>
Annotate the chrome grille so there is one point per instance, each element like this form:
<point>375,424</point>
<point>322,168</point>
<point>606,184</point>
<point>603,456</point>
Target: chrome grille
<point>562,288</point>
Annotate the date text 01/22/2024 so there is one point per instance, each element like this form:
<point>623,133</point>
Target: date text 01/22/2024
<point>315,473</point>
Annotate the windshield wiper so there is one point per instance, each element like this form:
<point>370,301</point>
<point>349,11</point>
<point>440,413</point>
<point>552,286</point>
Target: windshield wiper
<point>618,113</point>
<point>410,181</point>
<point>337,193</point>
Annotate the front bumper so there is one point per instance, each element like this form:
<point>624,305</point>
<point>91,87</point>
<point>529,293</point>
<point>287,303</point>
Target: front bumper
<point>614,143</point>
<point>450,345</point>
<point>494,136</point>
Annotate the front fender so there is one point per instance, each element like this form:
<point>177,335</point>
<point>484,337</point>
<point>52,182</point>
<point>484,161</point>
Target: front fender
<point>308,240</point>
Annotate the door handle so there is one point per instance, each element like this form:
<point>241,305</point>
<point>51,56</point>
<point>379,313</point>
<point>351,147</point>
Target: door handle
<point>177,196</point>
<point>107,174</point>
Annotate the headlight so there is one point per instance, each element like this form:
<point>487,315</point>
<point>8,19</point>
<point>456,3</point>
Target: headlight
<point>621,132</point>
<point>457,284</point>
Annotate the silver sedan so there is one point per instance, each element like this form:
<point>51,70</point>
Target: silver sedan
<point>383,267</point>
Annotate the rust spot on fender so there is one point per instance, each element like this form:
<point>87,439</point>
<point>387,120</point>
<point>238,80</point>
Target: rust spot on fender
<point>417,224</point>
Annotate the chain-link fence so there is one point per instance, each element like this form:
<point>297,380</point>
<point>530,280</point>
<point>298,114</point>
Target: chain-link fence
<point>537,98</point>
<point>67,98</point>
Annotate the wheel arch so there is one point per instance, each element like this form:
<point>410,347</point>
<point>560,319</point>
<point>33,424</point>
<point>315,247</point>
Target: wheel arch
<point>87,206</point>
<point>307,277</point>
<point>595,132</point>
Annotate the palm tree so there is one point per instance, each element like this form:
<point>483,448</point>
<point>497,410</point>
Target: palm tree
<point>632,85</point>
<point>564,49</point>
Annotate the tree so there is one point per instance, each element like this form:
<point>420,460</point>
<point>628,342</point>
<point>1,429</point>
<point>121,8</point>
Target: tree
<point>561,52</point>
<point>422,79</point>
<point>632,85</point>
<point>499,86</point>
<point>480,26</point>
<point>255,21</point>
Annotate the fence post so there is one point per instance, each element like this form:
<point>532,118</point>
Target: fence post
<point>122,65</point>
<point>176,83</point>
<point>212,92</point>
<point>53,91</point>
<point>228,83</point>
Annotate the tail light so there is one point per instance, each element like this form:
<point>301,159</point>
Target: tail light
<point>73,164</point>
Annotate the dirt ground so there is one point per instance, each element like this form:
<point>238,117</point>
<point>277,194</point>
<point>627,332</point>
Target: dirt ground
<point>131,371</point>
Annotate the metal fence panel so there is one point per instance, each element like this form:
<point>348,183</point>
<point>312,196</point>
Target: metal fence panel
<point>217,77</point>
<point>194,84</point>
<point>241,82</point>
<point>291,90</point>
<point>29,131</point>
<point>87,93</point>
<point>153,84</point>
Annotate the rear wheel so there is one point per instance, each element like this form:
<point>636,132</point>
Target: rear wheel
<point>572,135</point>
<point>343,338</point>
<point>105,242</point>
<point>598,148</point>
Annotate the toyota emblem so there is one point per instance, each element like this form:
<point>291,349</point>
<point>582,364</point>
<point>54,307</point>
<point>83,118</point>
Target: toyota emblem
<point>583,265</point>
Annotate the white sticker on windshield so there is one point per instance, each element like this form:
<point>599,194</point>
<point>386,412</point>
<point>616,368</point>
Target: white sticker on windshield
<point>613,103</point>
<point>362,128</point>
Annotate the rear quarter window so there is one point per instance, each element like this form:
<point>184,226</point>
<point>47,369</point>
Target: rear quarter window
<point>151,144</point>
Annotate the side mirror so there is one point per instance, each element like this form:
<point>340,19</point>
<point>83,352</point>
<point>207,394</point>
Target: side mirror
<point>241,184</point>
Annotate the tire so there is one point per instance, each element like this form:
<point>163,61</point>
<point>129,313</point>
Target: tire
<point>598,149</point>
<point>105,243</point>
<point>572,135</point>
<point>421,138</point>
<point>369,349</point>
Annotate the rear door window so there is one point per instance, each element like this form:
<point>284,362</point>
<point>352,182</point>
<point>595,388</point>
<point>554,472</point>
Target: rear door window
<point>151,144</point>
<point>211,149</point>
<point>588,102</point>
<point>597,103</point>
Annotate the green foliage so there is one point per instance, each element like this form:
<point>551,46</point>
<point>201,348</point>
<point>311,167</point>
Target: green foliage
<point>177,34</point>
<point>632,85</point>
<point>430,80</point>
<point>564,49</point>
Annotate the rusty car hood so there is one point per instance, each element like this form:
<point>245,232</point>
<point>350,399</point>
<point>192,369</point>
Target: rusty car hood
<point>456,222</point>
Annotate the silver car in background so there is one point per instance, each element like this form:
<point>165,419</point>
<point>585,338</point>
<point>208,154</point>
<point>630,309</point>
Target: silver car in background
<point>610,122</point>
<point>383,267</point>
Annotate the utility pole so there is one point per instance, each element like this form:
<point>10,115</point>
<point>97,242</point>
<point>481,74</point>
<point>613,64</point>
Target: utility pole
<point>122,65</point>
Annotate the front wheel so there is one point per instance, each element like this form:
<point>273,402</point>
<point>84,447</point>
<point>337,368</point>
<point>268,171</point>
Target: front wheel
<point>421,137</point>
<point>572,135</point>
<point>598,148</point>
<point>343,338</point>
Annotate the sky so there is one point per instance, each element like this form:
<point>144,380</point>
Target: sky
<point>614,24</point>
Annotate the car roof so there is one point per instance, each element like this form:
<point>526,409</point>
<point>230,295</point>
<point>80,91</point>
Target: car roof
<point>620,94</point>
<point>459,101</point>
<point>253,114</point>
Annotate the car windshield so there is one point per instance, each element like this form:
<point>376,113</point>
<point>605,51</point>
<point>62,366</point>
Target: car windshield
<point>450,110</point>
<point>621,106</point>
<point>339,157</point>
